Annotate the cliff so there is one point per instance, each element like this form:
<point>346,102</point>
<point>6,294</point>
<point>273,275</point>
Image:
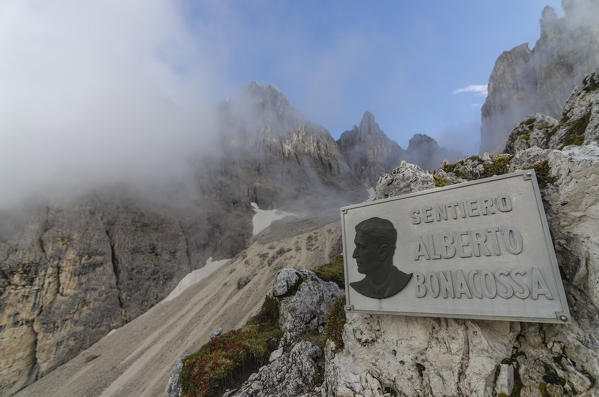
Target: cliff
<point>525,81</point>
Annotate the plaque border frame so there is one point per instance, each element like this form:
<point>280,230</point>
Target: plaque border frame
<point>561,317</point>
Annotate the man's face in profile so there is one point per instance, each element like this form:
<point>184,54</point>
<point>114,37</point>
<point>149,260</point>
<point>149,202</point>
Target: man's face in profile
<point>367,253</point>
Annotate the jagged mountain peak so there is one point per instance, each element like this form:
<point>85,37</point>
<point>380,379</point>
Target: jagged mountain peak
<point>539,80</point>
<point>422,139</point>
<point>369,127</point>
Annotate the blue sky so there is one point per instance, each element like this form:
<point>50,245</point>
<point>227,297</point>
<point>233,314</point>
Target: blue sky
<point>400,60</point>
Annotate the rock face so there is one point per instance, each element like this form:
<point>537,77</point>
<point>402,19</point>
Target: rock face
<point>77,271</point>
<point>579,123</point>
<point>291,374</point>
<point>306,310</point>
<point>525,81</point>
<point>297,365</point>
<point>404,179</point>
<point>428,357</point>
<point>426,152</point>
<point>82,267</point>
<point>368,151</point>
<point>272,155</point>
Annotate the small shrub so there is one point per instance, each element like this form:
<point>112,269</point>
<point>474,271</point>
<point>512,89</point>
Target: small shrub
<point>333,271</point>
<point>575,131</point>
<point>335,322</point>
<point>226,359</point>
<point>500,164</point>
<point>440,181</point>
<point>543,172</point>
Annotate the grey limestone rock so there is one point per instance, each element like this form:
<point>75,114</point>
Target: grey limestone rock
<point>285,281</point>
<point>524,81</point>
<point>535,130</point>
<point>430,357</point>
<point>368,151</point>
<point>293,374</point>
<point>172,387</point>
<point>306,311</point>
<point>403,179</point>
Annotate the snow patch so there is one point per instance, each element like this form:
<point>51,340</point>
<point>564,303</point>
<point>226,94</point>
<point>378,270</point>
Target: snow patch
<point>263,218</point>
<point>195,276</point>
<point>370,194</point>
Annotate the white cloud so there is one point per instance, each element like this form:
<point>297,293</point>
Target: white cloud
<point>477,89</point>
<point>93,92</point>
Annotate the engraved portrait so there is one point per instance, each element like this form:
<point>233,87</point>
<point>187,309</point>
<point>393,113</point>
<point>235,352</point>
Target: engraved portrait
<point>375,243</point>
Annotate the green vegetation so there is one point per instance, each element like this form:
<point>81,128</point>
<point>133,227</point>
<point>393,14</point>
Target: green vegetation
<point>450,167</point>
<point>543,389</point>
<point>440,181</point>
<point>551,133</point>
<point>575,131</point>
<point>333,271</point>
<point>500,164</point>
<point>227,359</point>
<point>335,322</point>
<point>590,84</point>
<point>543,172</point>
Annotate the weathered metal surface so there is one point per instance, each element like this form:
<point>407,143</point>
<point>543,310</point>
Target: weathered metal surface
<point>479,249</point>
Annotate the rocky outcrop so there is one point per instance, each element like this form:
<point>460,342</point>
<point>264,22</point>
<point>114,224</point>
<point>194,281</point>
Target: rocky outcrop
<point>296,367</point>
<point>77,271</point>
<point>368,151</point>
<point>82,267</point>
<point>426,152</point>
<point>409,356</point>
<point>424,356</point>
<point>579,123</point>
<point>272,155</point>
<point>305,310</point>
<point>404,179</point>
<point>525,81</point>
<point>291,374</point>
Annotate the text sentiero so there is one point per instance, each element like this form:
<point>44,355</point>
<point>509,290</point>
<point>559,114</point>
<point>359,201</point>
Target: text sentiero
<point>493,240</point>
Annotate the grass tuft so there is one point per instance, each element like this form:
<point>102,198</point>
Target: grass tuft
<point>227,359</point>
<point>335,323</point>
<point>333,271</point>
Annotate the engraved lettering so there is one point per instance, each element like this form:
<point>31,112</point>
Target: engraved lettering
<point>454,211</point>
<point>462,208</point>
<point>504,284</point>
<point>433,285</point>
<point>433,249</point>
<point>446,284</point>
<point>472,285</point>
<point>421,249</point>
<point>524,291</point>
<point>440,213</point>
<point>479,240</point>
<point>463,244</point>
<point>472,208</point>
<point>428,214</point>
<point>415,215</point>
<point>447,247</point>
<point>513,240</point>
<point>487,207</point>
<point>461,286</point>
<point>539,286</point>
<point>494,234</point>
<point>420,287</point>
<point>488,285</point>
<point>503,203</point>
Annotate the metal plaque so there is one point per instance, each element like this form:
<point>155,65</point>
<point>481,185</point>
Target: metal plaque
<point>478,249</point>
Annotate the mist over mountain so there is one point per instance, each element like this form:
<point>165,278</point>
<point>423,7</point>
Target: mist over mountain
<point>525,81</point>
